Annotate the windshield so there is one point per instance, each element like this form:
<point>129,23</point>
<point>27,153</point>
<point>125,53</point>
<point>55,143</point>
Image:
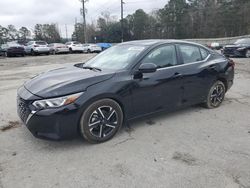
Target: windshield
<point>115,58</point>
<point>243,41</point>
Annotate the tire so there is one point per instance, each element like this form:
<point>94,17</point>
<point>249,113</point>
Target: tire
<point>216,95</point>
<point>70,50</point>
<point>101,121</point>
<point>32,52</point>
<point>247,54</point>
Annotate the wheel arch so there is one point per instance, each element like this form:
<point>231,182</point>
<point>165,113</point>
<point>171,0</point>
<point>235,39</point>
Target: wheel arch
<point>90,101</point>
<point>224,81</point>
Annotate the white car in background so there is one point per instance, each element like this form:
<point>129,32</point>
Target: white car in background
<point>75,46</point>
<point>37,47</point>
<point>91,48</point>
<point>57,48</point>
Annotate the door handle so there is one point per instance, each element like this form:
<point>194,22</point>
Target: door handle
<point>177,75</point>
<point>212,67</point>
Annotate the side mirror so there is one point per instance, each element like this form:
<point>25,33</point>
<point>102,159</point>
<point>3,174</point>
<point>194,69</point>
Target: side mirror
<point>148,68</point>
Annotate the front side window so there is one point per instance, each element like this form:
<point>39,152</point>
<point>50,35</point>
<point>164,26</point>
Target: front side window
<point>190,53</point>
<point>164,56</point>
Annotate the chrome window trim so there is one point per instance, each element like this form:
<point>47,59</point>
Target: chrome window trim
<point>185,64</point>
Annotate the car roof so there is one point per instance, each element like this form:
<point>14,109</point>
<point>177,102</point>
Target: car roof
<point>152,42</point>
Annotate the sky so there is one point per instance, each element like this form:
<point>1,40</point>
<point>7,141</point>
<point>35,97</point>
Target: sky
<point>63,12</point>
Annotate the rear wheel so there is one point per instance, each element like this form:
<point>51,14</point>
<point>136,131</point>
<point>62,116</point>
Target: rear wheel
<point>216,95</point>
<point>32,52</point>
<point>101,121</point>
<point>248,54</point>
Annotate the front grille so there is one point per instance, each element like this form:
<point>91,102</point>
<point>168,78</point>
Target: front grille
<point>23,109</point>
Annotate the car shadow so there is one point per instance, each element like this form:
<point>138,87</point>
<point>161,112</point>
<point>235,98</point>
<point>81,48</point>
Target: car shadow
<point>123,134</point>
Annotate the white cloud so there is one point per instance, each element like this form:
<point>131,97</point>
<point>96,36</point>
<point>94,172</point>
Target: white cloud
<point>29,12</point>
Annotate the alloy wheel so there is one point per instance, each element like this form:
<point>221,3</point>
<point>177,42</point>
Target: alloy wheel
<point>217,95</point>
<point>103,121</point>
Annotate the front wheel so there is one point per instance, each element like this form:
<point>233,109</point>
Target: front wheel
<point>248,54</point>
<point>216,95</point>
<point>101,121</point>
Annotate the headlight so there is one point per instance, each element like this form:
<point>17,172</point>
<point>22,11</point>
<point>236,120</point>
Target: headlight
<point>240,49</point>
<point>56,102</point>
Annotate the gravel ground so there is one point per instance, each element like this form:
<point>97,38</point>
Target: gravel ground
<point>191,148</point>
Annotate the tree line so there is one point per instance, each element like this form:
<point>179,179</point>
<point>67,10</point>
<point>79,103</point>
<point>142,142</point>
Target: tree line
<point>45,32</point>
<point>179,19</point>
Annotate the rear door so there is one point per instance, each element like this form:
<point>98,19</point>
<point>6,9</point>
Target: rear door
<point>198,73</point>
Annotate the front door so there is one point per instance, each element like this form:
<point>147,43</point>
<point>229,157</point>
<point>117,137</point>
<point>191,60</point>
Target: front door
<point>162,89</point>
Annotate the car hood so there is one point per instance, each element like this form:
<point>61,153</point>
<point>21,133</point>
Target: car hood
<point>65,81</point>
<point>235,46</point>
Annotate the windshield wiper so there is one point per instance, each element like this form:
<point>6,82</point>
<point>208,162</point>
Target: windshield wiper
<point>91,68</point>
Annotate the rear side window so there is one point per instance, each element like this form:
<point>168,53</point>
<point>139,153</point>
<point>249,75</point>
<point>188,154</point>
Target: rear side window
<point>204,53</point>
<point>164,56</point>
<point>190,53</point>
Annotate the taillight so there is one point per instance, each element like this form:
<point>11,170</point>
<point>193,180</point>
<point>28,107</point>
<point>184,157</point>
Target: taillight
<point>231,63</point>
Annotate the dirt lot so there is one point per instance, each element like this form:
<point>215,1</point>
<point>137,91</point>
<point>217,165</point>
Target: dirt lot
<point>191,148</point>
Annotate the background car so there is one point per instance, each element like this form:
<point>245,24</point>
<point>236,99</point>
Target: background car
<point>91,48</point>
<point>104,46</point>
<point>1,51</point>
<point>241,48</point>
<point>57,48</point>
<point>75,46</point>
<point>12,49</point>
<point>215,46</point>
<point>37,47</point>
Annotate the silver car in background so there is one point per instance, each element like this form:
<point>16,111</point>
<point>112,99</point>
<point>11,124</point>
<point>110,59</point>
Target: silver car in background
<point>75,46</point>
<point>92,48</point>
<point>37,47</point>
<point>57,48</point>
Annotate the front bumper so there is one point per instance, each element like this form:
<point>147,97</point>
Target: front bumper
<point>54,124</point>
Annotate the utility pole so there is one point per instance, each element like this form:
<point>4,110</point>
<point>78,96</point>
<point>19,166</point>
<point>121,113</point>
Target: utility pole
<point>122,20</point>
<point>84,20</point>
<point>66,30</point>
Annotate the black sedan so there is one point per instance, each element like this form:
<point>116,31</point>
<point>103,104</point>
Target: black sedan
<point>127,81</point>
<point>12,49</point>
<point>241,48</point>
